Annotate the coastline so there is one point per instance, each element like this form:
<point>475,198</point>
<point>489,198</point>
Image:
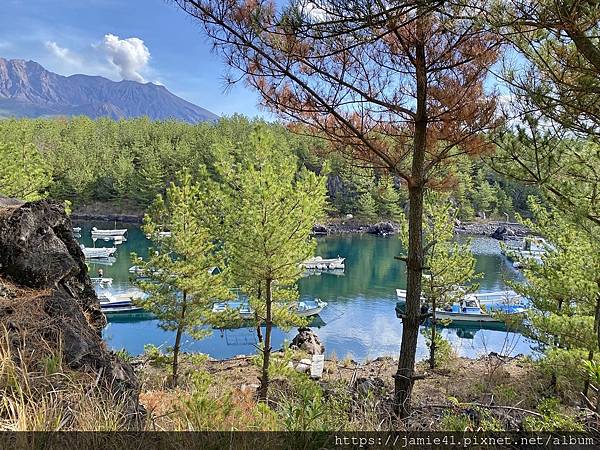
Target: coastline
<point>332,226</point>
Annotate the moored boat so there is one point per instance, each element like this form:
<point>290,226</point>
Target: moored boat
<point>119,303</point>
<point>161,235</point>
<point>320,263</point>
<point>304,308</point>
<point>101,281</point>
<point>97,252</point>
<point>102,233</point>
<point>470,310</point>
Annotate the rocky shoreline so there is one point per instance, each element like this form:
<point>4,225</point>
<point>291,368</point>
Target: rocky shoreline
<point>496,229</point>
<point>134,219</point>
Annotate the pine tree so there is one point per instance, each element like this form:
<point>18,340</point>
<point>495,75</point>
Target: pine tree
<point>483,194</point>
<point>268,221</point>
<point>450,265</point>
<point>367,207</point>
<point>149,179</point>
<point>388,199</point>
<point>178,276</point>
<point>564,290</point>
<point>23,172</point>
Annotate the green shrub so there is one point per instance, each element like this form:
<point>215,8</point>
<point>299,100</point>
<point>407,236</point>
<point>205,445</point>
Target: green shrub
<point>552,419</point>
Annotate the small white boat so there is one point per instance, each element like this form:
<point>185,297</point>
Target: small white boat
<point>305,308</point>
<point>76,230</point>
<point>119,303</point>
<point>103,261</point>
<point>103,233</point>
<point>320,263</point>
<point>242,308</point>
<point>141,273</point>
<point>136,270</point>
<point>101,281</point>
<point>97,252</point>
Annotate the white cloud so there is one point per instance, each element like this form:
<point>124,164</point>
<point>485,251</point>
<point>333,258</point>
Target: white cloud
<point>65,55</point>
<point>130,56</point>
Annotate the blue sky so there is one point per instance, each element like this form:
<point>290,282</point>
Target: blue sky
<point>149,40</point>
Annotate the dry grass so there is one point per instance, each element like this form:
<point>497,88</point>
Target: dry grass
<point>37,391</point>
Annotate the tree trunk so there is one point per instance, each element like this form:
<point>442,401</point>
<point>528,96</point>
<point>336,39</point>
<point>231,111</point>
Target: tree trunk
<point>403,380</point>
<point>264,381</point>
<point>586,384</point>
<point>258,331</point>
<point>177,345</point>
<point>433,334</point>
<point>410,322</point>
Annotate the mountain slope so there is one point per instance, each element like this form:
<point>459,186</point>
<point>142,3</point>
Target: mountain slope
<point>29,90</point>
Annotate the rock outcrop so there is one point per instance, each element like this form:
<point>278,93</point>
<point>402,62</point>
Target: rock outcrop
<point>383,229</point>
<point>46,296</point>
<point>503,233</point>
<point>308,341</point>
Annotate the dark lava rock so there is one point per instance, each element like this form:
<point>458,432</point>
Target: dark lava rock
<point>48,295</point>
<point>503,233</point>
<point>320,229</point>
<point>383,228</point>
<point>308,341</point>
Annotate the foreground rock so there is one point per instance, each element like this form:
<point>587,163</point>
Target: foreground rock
<point>47,302</point>
<point>307,341</point>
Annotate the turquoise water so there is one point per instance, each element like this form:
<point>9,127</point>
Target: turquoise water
<point>359,321</point>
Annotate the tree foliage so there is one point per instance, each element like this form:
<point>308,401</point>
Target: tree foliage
<point>564,290</point>
<point>178,276</point>
<point>24,174</point>
<point>269,209</point>
<point>394,86</point>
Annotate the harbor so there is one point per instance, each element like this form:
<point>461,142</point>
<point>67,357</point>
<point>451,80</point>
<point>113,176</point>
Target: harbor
<point>363,299</point>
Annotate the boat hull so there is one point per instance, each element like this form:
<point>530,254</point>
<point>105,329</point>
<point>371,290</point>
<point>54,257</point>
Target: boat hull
<point>466,318</point>
<point>101,233</point>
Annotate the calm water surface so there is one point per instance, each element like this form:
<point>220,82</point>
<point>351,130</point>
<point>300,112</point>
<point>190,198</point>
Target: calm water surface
<point>359,321</point>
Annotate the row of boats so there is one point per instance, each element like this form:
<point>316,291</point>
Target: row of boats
<point>125,303</point>
<point>481,308</point>
<point>117,236</point>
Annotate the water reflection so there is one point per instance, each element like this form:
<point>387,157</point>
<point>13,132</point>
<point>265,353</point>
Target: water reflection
<point>360,320</point>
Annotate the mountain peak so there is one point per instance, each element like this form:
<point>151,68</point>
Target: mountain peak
<point>29,90</point>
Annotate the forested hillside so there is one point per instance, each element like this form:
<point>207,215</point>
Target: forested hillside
<point>127,163</point>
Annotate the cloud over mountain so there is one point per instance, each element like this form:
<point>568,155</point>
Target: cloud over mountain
<point>130,56</point>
